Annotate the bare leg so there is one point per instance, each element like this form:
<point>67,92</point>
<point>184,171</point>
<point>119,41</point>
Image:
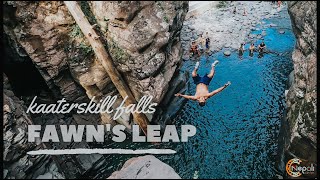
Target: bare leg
<point>211,74</point>
<point>194,72</point>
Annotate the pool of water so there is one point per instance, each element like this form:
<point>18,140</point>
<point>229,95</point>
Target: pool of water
<point>238,129</point>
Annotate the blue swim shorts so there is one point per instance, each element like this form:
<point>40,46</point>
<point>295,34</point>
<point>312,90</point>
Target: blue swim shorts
<point>205,79</point>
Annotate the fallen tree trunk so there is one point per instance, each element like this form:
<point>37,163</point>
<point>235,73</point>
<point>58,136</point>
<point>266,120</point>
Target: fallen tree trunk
<point>106,60</point>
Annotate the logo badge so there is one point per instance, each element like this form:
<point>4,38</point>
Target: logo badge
<point>295,168</point>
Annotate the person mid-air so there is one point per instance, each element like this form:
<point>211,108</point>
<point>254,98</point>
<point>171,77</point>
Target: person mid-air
<point>202,90</point>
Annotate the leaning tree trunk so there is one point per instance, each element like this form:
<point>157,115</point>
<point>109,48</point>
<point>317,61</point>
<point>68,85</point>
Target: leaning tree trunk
<point>106,60</point>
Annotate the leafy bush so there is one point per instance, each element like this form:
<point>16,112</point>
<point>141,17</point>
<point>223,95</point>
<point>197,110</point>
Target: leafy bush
<point>76,32</point>
<point>222,4</point>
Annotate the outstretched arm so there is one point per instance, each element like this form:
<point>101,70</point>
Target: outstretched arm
<point>186,96</point>
<point>219,89</point>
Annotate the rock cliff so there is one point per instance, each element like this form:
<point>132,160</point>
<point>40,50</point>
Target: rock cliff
<point>302,95</point>
<point>17,164</point>
<point>143,38</point>
<point>47,55</point>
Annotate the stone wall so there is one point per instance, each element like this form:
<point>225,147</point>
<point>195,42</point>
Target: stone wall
<point>302,95</point>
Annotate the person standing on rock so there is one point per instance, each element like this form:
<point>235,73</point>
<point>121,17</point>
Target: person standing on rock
<point>244,12</point>
<point>279,3</point>
<point>202,83</point>
<point>207,40</point>
<point>201,42</point>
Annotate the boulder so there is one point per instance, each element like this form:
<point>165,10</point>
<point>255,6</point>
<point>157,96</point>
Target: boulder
<point>227,53</point>
<point>273,25</point>
<point>145,167</point>
<point>263,33</point>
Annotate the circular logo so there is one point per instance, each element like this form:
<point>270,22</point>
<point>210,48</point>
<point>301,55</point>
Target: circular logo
<point>291,167</point>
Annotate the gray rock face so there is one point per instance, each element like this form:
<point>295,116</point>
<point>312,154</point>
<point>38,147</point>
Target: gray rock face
<point>17,164</point>
<point>145,167</point>
<point>302,95</point>
<point>143,40</point>
<point>170,105</point>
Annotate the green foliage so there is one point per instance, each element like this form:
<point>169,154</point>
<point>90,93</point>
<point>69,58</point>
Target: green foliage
<point>222,4</point>
<point>78,41</point>
<point>87,12</point>
<point>74,46</point>
<point>165,18</point>
<point>117,53</point>
<point>76,32</point>
<point>84,49</point>
<point>160,5</point>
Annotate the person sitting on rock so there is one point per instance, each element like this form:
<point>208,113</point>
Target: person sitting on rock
<point>202,83</point>
<point>194,49</point>
<point>261,47</point>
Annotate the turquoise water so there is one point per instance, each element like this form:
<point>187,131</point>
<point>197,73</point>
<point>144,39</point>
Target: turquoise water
<point>238,129</point>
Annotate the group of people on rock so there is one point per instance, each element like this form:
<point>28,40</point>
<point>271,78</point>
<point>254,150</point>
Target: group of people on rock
<point>278,2</point>
<point>261,49</point>
<point>244,11</point>
<point>203,42</point>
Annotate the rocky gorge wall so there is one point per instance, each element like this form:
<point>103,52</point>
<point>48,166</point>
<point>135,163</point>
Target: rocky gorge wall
<point>143,39</point>
<point>17,164</point>
<point>301,97</point>
<point>47,55</point>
